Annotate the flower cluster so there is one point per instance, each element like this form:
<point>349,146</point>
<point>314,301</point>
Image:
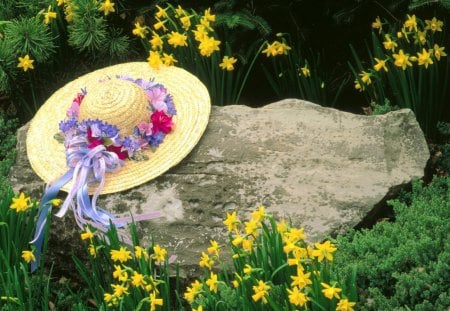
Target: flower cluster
<point>150,132</point>
<point>273,265</point>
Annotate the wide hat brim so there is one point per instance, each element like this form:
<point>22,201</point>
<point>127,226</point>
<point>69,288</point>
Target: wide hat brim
<point>192,103</point>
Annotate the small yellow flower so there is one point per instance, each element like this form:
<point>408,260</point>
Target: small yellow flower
<point>107,7</point>
<point>92,250</point>
<point>389,44</point>
<point>324,250</point>
<point>282,226</point>
<point>381,64</point>
<point>330,291</point>
<point>56,202</point>
<point>238,239</point>
<point>138,280</point>
<point>402,60</point>
<point>121,255</point>
<point>252,226</point>
<point>228,63</point>
<point>365,77</point>
<point>156,42</point>
<point>247,244</point>
<point>358,86</point>
<point>420,37</point>
<point>179,11</point>
<point>160,25</point>
<point>49,15</point>
<point>260,291</point>
<point>208,45</point>
<point>21,203</point>
<point>159,254</point>
<point>168,60</point>
<point>201,33</point>
<point>424,58</point>
<point>296,297</point>
<point>206,261</point>
<point>214,248</point>
<point>155,301</point>
<point>87,234</point>
<point>177,39</point>
<point>345,305</point>
<point>192,291</point>
<point>119,290</point>
<point>28,256</point>
<point>237,280</point>
<point>433,24</point>
<point>185,22</point>
<point>25,63</point>
<point>411,23</point>
<point>118,273</point>
<point>377,24</point>
<point>301,279</point>
<point>259,214</point>
<point>208,16</point>
<point>60,2</point>
<point>305,71</point>
<point>154,59</point>
<point>231,221</point>
<point>161,12</point>
<point>212,282</point>
<point>439,52</point>
<point>139,252</point>
<point>140,31</point>
<point>271,49</point>
<point>247,269</point>
<point>199,308</point>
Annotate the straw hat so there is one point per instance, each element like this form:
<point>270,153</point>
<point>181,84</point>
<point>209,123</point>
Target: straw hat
<point>123,104</point>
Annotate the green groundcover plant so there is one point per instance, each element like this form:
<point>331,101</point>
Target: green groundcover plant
<point>405,264</point>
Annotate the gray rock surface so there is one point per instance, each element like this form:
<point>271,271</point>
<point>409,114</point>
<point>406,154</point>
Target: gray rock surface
<point>323,168</point>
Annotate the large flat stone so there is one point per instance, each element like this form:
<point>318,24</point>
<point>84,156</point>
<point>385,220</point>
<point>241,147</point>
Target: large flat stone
<point>325,169</point>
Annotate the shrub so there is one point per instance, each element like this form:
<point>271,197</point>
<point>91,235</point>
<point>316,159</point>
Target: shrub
<point>404,264</point>
<point>8,128</point>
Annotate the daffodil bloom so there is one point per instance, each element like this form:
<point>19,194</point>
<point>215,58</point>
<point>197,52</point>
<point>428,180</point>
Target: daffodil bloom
<point>201,33</point>
<point>119,290</point>
<point>21,203</point>
<point>25,63</point>
<point>206,261</point>
<point>228,63</point>
<point>439,52</point>
<point>296,297</point>
<point>424,58</point>
<point>377,24</point>
<point>231,221</point>
<point>137,279</point>
<point>60,2</point>
<point>301,279</point>
<point>282,226</point>
<point>49,15</point>
<point>177,39</point>
<point>159,254</point>
<point>365,77</point>
<point>118,273</point>
<point>154,59</point>
<point>140,31</point>
<point>28,256</point>
<point>381,64</point>
<point>68,12</point>
<point>87,234</point>
<point>283,49</point>
<point>259,213</point>
<point>207,15</point>
<point>56,202</point>
<point>139,252</point>
<point>324,250</point>
<point>168,60</point>
<point>208,45</point>
<point>411,23</point>
<point>179,11</point>
<point>237,280</point>
<point>92,250</point>
<point>199,308</point>
<point>272,49</point>
<point>160,25</point>
<point>247,269</point>
<point>251,227</point>
<point>260,291</point>
<point>300,254</point>
<point>214,248</point>
<point>185,22</point>
<point>247,244</point>
<point>107,7</point>
<point>389,44</point>
<point>294,235</point>
<point>238,239</point>
<point>420,37</point>
<point>212,282</point>
<point>192,291</point>
<point>110,299</point>
<point>434,24</point>
<point>156,42</point>
<point>345,305</point>
<point>358,86</point>
<point>161,12</point>
<point>330,291</point>
<point>155,301</point>
<point>401,60</point>
<point>121,255</point>
<point>305,71</point>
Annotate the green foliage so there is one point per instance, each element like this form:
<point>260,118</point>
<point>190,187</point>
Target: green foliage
<point>8,127</point>
<point>8,68</point>
<point>417,4</point>
<point>404,264</point>
<point>444,159</point>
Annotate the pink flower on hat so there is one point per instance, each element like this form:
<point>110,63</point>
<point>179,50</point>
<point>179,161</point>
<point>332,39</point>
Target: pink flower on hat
<point>161,122</point>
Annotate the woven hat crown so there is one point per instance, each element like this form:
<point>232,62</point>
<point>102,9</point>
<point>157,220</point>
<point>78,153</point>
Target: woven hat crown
<point>116,101</point>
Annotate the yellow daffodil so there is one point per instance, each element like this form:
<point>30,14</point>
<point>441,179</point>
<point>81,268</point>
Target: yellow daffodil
<point>247,269</point>
<point>185,22</point>
<point>297,298</point>
<point>49,15</point>
<point>160,25</point>
<point>381,64</point>
<point>247,244</point>
<point>139,30</point>
<point>154,59</point>
<point>283,49</point>
<point>365,77</point>
<point>60,2</point>
<point>118,273</point>
<point>238,239</point>
<point>206,261</point>
<point>251,227</point>
<point>324,250</point>
<point>214,248</point>
<point>87,234</point>
<point>420,37</point>
<point>305,71</point>
<point>68,12</point>
<point>330,291</point>
<point>208,45</point>
<point>159,254</point>
<point>358,86</point>
<point>161,12</point>
<point>260,291</point>
<point>155,301</point>
<point>377,24</point>
<point>212,282</point>
<point>21,203</point>
<point>411,23</point>
<point>192,291</point>
<point>228,63</point>
<point>282,226</point>
<point>119,290</point>
<point>25,63</point>
<point>176,39</point>
<point>179,11</point>
<point>156,42</point>
<point>168,59</point>
<point>137,279</point>
<point>345,305</point>
<point>301,279</point>
<point>389,44</point>
<point>92,250</point>
<point>259,213</point>
<point>208,16</point>
<point>231,221</point>
<point>56,202</point>
<point>300,254</point>
<point>401,60</point>
<point>201,33</point>
<point>139,252</point>
<point>433,24</point>
<point>28,256</point>
<point>237,280</point>
<point>424,58</point>
<point>121,255</point>
<point>107,7</point>
<point>439,52</point>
